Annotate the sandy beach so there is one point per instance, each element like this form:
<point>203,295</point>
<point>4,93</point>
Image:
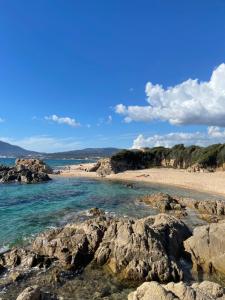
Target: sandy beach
<point>205,182</point>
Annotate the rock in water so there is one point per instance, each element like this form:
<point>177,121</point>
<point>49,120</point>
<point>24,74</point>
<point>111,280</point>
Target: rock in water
<point>178,291</point>
<point>26,171</point>
<point>207,248</point>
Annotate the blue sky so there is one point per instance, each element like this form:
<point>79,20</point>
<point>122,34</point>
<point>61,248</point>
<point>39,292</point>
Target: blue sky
<point>67,65</point>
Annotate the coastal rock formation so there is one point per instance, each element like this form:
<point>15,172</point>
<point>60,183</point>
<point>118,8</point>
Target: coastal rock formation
<point>25,171</point>
<point>205,290</point>
<point>145,249</point>
<point>163,202</point>
<point>209,210</point>
<point>34,165</point>
<point>211,207</point>
<point>207,248</point>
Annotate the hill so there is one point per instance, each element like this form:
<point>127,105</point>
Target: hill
<point>84,153</point>
<point>8,150</point>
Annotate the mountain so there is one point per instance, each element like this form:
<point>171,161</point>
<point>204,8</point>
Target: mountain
<point>9,150</point>
<point>84,153</point>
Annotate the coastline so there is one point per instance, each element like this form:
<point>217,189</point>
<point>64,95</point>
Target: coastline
<point>212,183</point>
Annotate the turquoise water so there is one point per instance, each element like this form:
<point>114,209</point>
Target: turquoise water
<point>54,163</point>
<point>26,210</point>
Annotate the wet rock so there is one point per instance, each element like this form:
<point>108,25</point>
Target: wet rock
<point>207,248</point>
<point>178,291</point>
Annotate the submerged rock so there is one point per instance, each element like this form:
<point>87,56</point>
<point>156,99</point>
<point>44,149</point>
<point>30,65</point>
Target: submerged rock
<point>178,291</point>
<point>207,248</point>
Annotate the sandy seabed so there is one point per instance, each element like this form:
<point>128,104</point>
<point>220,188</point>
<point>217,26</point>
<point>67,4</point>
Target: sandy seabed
<point>205,182</point>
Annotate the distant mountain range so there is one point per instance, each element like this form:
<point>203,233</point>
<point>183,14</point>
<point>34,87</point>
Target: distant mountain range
<point>8,150</point>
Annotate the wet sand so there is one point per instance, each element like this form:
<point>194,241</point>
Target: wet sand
<point>206,182</point>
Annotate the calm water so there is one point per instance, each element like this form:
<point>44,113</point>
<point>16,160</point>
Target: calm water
<point>26,210</point>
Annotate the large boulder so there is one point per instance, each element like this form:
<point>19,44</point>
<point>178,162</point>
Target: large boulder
<point>144,249</point>
<point>178,291</point>
<point>35,293</point>
<point>34,165</point>
<point>207,248</point>
<point>26,171</point>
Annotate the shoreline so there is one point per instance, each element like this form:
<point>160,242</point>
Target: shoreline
<point>210,183</point>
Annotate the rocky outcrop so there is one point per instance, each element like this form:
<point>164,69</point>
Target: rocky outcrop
<point>104,167</point>
<point>25,171</point>
<point>163,202</point>
<point>209,210</point>
<point>34,165</point>
<point>145,249</point>
<point>205,290</point>
<point>137,250</point>
<point>207,248</point>
<point>211,207</point>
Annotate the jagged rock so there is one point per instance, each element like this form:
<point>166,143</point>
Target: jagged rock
<point>212,207</point>
<point>34,165</point>
<point>178,291</point>
<point>145,249</point>
<point>148,248</point>
<point>207,248</point>
<point>96,212</point>
<point>162,201</point>
<point>104,167</point>
<point>26,171</point>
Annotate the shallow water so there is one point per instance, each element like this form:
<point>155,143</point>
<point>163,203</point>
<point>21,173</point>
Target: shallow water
<point>25,210</point>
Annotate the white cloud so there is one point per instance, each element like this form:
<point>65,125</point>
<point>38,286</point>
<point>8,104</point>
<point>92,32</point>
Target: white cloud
<point>63,120</point>
<point>44,143</point>
<point>212,136</point>
<point>190,102</point>
<point>2,120</point>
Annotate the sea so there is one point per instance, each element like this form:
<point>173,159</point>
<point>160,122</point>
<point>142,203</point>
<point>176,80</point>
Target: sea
<point>28,209</point>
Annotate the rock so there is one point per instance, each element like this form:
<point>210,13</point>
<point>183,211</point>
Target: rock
<point>26,171</point>
<point>35,293</point>
<point>178,291</point>
<point>96,212</point>
<point>144,249</point>
<point>212,207</point>
<point>163,202</point>
<point>34,165</point>
<point>30,293</point>
<point>207,248</point>
<point>104,167</point>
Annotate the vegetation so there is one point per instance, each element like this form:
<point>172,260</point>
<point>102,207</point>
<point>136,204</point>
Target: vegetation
<point>178,156</point>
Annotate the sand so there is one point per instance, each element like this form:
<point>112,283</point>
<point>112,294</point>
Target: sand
<point>205,182</point>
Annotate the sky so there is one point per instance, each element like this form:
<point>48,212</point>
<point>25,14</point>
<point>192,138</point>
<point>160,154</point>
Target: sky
<point>116,73</point>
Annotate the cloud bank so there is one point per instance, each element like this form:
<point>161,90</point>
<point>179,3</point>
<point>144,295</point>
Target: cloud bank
<point>190,102</point>
<point>213,135</point>
<point>63,120</point>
